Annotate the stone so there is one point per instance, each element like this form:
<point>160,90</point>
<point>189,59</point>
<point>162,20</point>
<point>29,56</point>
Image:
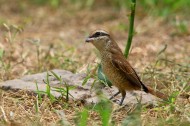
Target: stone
<point>80,92</point>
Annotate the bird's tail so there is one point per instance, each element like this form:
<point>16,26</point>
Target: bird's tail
<point>157,93</point>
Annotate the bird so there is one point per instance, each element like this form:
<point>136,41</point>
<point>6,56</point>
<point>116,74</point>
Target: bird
<point>116,67</point>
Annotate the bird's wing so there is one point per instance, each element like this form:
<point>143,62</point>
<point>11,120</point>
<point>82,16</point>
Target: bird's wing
<point>123,66</point>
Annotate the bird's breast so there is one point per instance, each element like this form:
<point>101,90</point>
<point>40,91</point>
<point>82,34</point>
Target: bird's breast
<point>113,74</point>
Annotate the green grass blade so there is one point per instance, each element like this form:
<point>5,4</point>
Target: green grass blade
<point>84,118</point>
<point>105,110</point>
<point>56,76</point>
<point>131,27</point>
<point>38,92</point>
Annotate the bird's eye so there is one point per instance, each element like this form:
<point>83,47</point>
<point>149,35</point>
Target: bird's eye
<point>97,34</point>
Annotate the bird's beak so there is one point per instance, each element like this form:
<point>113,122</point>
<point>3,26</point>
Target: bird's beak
<point>89,39</point>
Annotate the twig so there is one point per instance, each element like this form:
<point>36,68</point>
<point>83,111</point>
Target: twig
<point>4,115</point>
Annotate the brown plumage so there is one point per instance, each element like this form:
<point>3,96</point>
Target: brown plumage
<point>116,67</point>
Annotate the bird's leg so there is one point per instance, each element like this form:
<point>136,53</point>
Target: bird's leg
<point>115,95</point>
<point>123,97</point>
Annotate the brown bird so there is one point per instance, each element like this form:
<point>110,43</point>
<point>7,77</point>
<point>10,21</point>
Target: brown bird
<point>116,67</point>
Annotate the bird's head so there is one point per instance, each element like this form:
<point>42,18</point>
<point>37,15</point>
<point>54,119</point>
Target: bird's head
<point>100,39</point>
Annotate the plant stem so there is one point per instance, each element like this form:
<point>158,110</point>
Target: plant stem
<point>131,25</point>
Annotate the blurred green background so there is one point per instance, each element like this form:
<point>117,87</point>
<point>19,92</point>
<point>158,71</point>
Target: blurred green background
<point>154,7</point>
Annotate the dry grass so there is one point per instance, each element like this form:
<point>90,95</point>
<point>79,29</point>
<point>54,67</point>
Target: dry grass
<point>61,33</point>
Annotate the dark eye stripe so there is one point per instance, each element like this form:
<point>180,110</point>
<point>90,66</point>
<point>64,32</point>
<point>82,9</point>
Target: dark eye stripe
<point>97,34</point>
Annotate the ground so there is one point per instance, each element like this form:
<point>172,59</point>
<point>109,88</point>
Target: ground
<point>39,38</point>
